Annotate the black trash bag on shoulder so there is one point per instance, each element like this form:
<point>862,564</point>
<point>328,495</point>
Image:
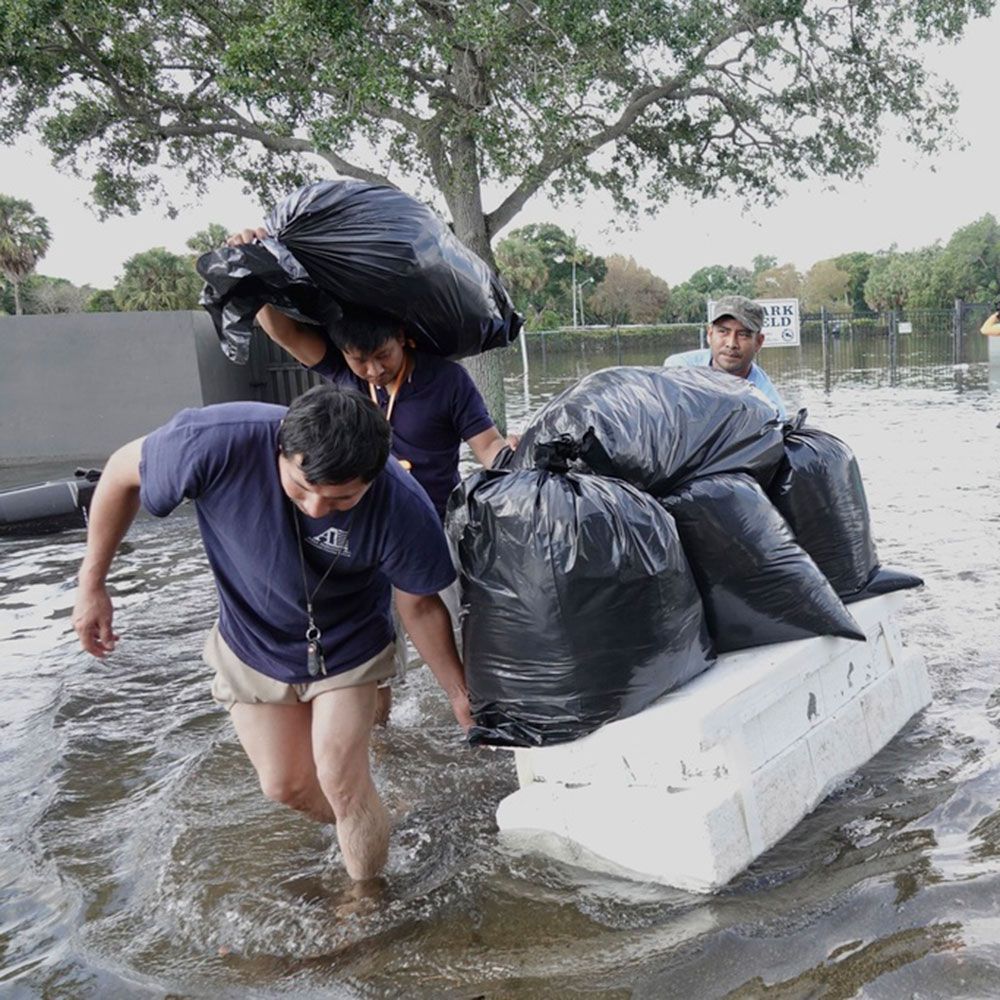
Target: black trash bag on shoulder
<point>239,280</point>
<point>656,428</point>
<point>819,492</point>
<point>369,246</point>
<point>757,584</point>
<point>578,604</point>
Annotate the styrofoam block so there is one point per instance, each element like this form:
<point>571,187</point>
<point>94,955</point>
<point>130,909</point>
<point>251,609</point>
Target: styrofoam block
<point>913,669</point>
<point>780,794</point>
<point>728,764</point>
<point>886,707</point>
<point>754,746</point>
<point>837,749</point>
<point>792,715</point>
<point>883,656</point>
<point>841,680</point>
<point>694,839</point>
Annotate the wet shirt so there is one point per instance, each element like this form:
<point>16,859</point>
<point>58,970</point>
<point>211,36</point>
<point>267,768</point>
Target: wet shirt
<point>436,409</point>
<point>225,459</point>
<point>756,376</point>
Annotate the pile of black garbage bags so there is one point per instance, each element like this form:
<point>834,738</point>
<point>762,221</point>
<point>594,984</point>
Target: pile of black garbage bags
<point>348,243</point>
<point>649,519</point>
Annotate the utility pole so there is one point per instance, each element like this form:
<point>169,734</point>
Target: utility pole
<point>573,264</point>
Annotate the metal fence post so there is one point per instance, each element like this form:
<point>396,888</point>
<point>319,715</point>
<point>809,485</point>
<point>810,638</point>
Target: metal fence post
<point>824,334</point>
<point>958,333</point>
<point>893,345</point>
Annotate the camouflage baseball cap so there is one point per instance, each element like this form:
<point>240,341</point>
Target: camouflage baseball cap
<point>748,312</point>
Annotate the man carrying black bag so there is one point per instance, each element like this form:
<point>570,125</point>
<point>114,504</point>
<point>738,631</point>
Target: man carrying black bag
<point>431,403</point>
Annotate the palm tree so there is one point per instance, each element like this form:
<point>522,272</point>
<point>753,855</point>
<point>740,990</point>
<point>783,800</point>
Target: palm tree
<point>24,238</point>
<point>157,279</point>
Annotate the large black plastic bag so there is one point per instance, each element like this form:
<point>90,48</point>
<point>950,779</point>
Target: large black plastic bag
<point>656,428</point>
<point>239,280</point>
<point>368,246</point>
<point>757,584</point>
<point>578,604</point>
<point>818,490</point>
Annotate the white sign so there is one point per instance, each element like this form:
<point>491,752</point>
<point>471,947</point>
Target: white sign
<point>905,328</point>
<point>781,321</point>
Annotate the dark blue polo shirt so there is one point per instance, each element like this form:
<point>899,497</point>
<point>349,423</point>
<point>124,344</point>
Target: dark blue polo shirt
<point>225,459</point>
<point>437,408</point>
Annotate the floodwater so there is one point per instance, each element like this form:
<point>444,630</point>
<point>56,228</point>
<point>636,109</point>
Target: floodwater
<point>139,860</point>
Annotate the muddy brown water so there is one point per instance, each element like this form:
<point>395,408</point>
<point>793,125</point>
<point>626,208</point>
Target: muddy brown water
<point>137,858</point>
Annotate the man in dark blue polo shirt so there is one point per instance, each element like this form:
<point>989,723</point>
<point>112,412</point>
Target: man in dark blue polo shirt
<point>307,527</point>
<point>432,404</point>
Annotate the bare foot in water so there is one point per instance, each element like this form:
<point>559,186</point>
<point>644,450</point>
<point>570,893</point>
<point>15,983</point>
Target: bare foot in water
<point>360,898</point>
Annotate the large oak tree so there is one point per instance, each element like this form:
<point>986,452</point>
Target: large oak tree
<point>479,104</point>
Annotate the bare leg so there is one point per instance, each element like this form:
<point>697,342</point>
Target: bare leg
<point>277,740</point>
<point>383,706</point>
<point>341,727</point>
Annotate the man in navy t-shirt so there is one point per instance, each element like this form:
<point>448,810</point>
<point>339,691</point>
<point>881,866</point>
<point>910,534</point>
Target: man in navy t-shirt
<point>307,527</point>
<point>432,403</point>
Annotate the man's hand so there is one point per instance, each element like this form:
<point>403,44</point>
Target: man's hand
<point>247,236</point>
<point>112,509</point>
<point>92,614</point>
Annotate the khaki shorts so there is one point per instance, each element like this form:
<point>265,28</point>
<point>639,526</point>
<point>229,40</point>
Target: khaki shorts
<point>237,683</point>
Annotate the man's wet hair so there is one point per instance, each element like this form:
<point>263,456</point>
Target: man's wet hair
<point>363,330</point>
<point>340,434</point>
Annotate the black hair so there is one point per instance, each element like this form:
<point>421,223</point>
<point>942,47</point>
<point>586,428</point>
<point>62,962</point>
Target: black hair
<point>363,330</point>
<point>340,434</point>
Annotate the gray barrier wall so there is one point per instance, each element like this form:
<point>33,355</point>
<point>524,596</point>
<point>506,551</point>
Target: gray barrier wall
<point>77,386</point>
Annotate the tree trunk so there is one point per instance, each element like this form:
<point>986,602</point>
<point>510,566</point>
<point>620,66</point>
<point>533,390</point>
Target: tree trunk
<point>465,203</point>
<point>17,296</point>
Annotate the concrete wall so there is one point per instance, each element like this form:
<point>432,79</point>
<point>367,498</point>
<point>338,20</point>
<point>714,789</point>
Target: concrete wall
<point>78,385</point>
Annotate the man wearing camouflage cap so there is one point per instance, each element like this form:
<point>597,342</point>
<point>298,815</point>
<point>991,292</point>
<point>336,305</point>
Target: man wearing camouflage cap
<point>734,338</point>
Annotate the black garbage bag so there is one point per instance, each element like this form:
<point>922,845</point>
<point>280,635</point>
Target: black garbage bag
<point>756,582</point>
<point>656,428</point>
<point>348,242</point>
<point>578,604</point>
<point>819,492</point>
<point>239,280</point>
<point>884,580</point>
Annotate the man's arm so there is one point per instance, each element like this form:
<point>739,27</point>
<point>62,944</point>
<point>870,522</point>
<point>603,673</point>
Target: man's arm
<point>991,328</point>
<point>112,511</point>
<point>307,346</point>
<point>486,445</point>
<point>427,621</point>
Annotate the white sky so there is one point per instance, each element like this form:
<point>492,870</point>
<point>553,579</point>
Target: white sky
<point>910,203</point>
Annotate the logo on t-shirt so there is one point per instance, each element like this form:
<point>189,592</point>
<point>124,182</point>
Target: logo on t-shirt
<point>334,540</point>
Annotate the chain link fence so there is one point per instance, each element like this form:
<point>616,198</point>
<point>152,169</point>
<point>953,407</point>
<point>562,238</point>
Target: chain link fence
<point>834,347</point>
<point>913,347</point>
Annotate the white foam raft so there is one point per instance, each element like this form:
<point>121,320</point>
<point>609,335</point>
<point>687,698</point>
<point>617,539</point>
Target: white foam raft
<point>691,790</point>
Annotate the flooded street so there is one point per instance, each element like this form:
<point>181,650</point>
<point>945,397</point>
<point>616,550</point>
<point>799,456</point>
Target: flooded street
<point>140,860</point>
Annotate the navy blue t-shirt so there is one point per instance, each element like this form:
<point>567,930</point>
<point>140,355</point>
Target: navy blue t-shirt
<point>225,459</point>
<point>437,408</point>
